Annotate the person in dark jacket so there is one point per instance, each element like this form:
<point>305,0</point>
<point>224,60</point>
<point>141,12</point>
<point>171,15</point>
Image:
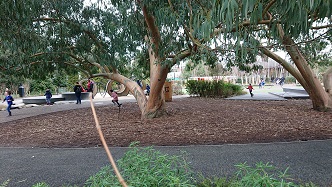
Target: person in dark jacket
<point>147,89</point>
<point>78,92</point>
<point>9,100</point>
<point>48,96</point>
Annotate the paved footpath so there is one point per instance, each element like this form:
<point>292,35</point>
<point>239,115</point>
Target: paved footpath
<point>307,161</point>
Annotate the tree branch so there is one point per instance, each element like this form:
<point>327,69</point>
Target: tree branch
<point>149,19</point>
<point>268,6</point>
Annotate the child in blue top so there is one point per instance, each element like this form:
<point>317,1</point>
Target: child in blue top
<point>9,100</point>
<point>48,95</point>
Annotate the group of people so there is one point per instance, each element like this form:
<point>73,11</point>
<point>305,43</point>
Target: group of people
<point>260,85</point>
<point>78,89</point>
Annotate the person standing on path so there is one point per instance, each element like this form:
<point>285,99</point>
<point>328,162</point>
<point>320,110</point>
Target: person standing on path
<point>250,88</point>
<point>90,86</point>
<point>48,96</point>
<point>9,100</point>
<point>78,92</point>
<point>115,99</point>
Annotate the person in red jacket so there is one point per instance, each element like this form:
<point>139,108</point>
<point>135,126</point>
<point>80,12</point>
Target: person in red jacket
<point>90,86</point>
<point>250,88</point>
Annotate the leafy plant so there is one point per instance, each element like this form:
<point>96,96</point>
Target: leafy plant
<point>5,183</point>
<point>262,175</point>
<point>215,182</point>
<point>146,167</point>
<point>41,184</point>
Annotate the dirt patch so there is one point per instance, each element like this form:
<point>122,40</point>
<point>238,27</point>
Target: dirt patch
<point>190,121</point>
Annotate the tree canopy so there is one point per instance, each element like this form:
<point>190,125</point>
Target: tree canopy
<point>55,34</point>
<point>105,37</point>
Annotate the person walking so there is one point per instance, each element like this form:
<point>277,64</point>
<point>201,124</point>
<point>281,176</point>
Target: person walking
<point>48,96</point>
<point>9,100</point>
<point>250,88</point>
<point>78,92</point>
<point>115,99</point>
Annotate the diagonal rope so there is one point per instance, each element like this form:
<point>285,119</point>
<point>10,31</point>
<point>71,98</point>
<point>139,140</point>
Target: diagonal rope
<point>108,152</point>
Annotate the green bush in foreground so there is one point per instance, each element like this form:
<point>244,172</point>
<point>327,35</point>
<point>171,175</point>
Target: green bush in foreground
<point>262,175</point>
<point>41,184</point>
<point>5,183</point>
<point>146,167</point>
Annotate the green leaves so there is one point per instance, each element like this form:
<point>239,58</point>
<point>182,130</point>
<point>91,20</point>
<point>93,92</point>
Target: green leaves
<point>146,167</point>
<point>213,88</point>
<point>112,32</point>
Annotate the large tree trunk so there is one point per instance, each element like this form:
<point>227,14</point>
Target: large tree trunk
<point>327,80</point>
<point>155,106</point>
<point>320,98</point>
<point>156,103</point>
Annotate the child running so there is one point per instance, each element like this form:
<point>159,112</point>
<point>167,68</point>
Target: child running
<point>250,88</point>
<point>115,99</point>
<point>9,100</point>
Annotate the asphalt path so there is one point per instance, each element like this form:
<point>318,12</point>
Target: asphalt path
<point>307,161</point>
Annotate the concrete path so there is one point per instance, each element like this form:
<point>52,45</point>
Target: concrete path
<point>258,97</point>
<point>307,161</point>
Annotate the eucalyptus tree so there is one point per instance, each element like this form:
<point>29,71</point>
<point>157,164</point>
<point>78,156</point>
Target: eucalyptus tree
<point>239,30</point>
<point>103,38</point>
<point>235,31</point>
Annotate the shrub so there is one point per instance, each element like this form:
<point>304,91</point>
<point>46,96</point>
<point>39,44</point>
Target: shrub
<point>213,88</point>
<point>41,184</point>
<point>261,175</point>
<point>5,183</point>
<point>146,167</point>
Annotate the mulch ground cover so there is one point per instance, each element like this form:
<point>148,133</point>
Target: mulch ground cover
<point>190,121</point>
